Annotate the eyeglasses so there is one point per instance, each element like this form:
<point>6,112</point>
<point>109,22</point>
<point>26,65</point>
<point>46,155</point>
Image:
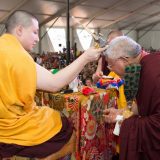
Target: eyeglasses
<point>110,66</point>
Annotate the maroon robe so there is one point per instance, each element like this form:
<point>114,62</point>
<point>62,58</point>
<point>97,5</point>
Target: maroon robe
<point>140,135</point>
<point>41,150</point>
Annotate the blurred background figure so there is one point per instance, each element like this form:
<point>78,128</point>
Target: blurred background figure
<point>89,82</point>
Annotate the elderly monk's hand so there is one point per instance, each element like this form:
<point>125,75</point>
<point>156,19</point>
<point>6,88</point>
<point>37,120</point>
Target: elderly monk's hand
<point>96,76</point>
<point>110,115</point>
<point>134,108</point>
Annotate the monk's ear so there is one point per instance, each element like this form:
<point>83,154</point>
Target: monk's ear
<point>19,30</point>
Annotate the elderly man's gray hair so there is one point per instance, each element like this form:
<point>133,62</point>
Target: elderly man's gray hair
<point>122,46</point>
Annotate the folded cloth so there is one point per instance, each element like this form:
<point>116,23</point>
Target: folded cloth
<point>88,90</point>
<point>108,83</point>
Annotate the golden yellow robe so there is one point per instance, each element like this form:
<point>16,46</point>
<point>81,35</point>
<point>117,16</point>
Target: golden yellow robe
<point>21,121</point>
<point>122,103</point>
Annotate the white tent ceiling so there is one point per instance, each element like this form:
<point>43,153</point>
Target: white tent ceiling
<point>119,14</point>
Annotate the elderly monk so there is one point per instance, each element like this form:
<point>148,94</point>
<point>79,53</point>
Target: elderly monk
<point>140,129</point>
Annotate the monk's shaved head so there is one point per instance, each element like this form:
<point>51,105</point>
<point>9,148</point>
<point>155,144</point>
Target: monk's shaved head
<point>22,18</point>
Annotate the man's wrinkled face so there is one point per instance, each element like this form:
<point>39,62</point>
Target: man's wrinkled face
<point>118,65</point>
